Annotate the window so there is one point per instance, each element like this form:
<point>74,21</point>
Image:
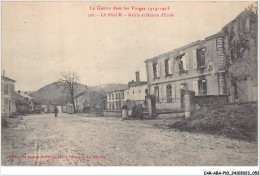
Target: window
<point>139,91</point>
<point>9,88</point>
<point>123,95</point>
<point>201,57</point>
<point>6,89</point>
<point>112,96</point>
<point>169,93</point>
<point>3,104</point>
<point>202,87</point>
<point>9,105</point>
<point>166,66</point>
<point>109,97</point>
<point>133,92</point>
<point>155,70</point>
<point>184,86</point>
<point>184,63</point>
<point>181,69</point>
<point>156,92</point>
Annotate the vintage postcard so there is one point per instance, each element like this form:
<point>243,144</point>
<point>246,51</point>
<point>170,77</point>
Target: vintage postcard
<point>129,84</point>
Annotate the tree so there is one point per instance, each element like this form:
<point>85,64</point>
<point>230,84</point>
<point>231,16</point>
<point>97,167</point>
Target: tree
<point>69,81</point>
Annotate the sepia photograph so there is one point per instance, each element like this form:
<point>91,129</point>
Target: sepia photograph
<point>131,83</point>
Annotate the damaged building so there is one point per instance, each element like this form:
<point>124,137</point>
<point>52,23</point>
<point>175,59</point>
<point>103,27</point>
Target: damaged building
<point>209,67</point>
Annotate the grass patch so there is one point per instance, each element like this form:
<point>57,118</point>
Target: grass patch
<point>234,121</point>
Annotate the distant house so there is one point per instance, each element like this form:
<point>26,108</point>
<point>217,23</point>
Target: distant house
<point>86,101</point>
<point>25,103</point>
<point>136,91</point>
<point>115,100</point>
<point>7,96</point>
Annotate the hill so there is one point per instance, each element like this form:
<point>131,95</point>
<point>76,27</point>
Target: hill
<point>52,93</point>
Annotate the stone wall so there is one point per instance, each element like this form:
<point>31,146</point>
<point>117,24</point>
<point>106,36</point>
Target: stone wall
<point>240,45</point>
<point>211,99</point>
<point>112,113</point>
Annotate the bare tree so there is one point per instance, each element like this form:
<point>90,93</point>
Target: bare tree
<point>69,81</point>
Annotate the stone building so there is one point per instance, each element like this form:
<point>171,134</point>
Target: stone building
<point>25,103</point>
<point>7,96</point>
<point>115,100</point>
<point>206,67</point>
<point>197,66</point>
<point>86,102</point>
<point>136,91</point>
<point>240,48</point>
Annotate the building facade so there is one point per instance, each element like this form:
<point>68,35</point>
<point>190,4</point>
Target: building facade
<point>221,68</point>
<point>198,66</point>
<point>135,94</point>
<point>136,91</point>
<point>85,102</point>
<point>115,100</point>
<point>240,44</point>
<point>7,96</point>
<point>24,103</point>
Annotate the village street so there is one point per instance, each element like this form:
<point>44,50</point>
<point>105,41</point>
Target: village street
<point>115,142</point>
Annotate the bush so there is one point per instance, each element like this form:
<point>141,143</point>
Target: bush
<point>234,121</point>
<point>4,123</point>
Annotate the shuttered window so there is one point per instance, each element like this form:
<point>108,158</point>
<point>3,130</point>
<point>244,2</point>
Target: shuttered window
<point>158,69</point>
<point>201,57</point>
<point>157,94</point>
<point>160,93</point>
<point>169,93</point>
<point>3,104</point>
<point>203,87</point>
<point>194,59</point>
<point>171,69</point>
<point>173,93</point>
<point>184,64</point>
<point>195,87</point>
<point>6,89</point>
<point>151,69</point>
<point>164,92</point>
<point>155,70</point>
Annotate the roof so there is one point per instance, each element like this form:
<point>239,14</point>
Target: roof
<point>83,93</point>
<point>6,78</point>
<point>24,95</point>
<point>185,47</point>
<point>115,91</point>
<point>134,84</point>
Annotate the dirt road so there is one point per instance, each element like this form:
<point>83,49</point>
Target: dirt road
<point>72,140</point>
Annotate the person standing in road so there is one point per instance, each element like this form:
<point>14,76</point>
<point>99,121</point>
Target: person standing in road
<point>56,111</point>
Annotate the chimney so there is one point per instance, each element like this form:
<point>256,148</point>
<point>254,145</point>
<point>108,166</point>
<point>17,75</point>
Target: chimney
<point>137,77</point>
<point>25,92</point>
<point>19,91</point>
<point>3,73</point>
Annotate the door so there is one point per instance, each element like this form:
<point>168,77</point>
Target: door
<point>9,107</point>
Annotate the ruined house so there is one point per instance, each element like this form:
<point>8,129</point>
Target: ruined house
<point>115,100</point>
<point>136,91</point>
<point>25,103</point>
<point>205,67</point>
<point>86,102</point>
<point>240,48</point>
<point>7,96</point>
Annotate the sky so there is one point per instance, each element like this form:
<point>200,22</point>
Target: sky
<point>42,39</point>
